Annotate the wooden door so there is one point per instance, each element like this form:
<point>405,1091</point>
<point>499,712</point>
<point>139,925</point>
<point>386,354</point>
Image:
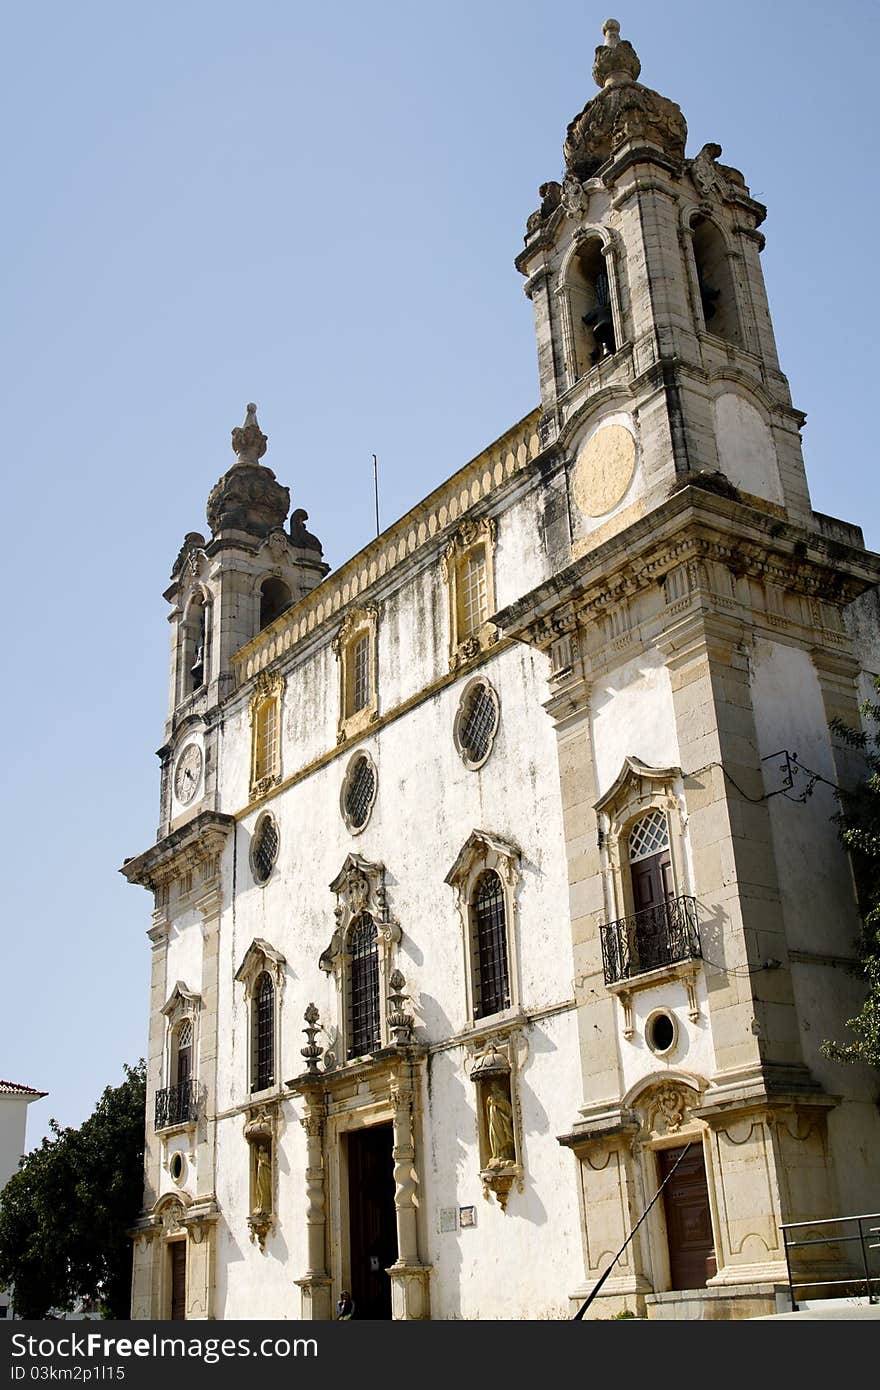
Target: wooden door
<point>371,1218</point>
<point>177,1256</point>
<point>688,1219</point>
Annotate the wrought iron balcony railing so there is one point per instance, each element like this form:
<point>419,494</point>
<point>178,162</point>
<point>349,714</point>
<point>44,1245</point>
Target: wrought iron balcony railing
<point>177,1105</point>
<point>656,936</point>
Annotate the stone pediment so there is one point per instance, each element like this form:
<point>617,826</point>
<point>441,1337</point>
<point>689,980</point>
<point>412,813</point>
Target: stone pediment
<point>635,777</point>
<point>258,957</point>
<point>478,848</point>
<point>181,1000</point>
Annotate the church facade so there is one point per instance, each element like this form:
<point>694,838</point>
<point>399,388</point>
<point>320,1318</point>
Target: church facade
<point>495,880</point>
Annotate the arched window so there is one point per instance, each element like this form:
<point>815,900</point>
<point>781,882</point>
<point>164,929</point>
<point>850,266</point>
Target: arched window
<point>275,596</point>
<point>591,312</point>
<point>263,1033</point>
<point>194,654</point>
<point>489,943</point>
<point>715,281</point>
<point>182,1060</point>
<point>364,1022</point>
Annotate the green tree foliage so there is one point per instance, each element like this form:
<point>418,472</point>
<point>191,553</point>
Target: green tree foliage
<point>65,1213</point>
<point>858,824</point>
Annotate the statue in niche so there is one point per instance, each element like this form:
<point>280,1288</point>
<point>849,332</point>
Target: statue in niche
<point>262,1177</point>
<point>499,1127</point>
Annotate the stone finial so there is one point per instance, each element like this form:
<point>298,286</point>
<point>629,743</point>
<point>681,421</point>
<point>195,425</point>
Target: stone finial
<point>400,1023</point>
<point>248,440</point>
<point>616,59</point>
<point>311,1052</point>
<point>248,497</point>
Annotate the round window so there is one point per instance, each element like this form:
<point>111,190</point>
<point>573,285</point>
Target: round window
<point>661,1032</point>
<point>264,850</point>
<point>177,1167</point>
<point>359,792</point>
<point>476,722</point>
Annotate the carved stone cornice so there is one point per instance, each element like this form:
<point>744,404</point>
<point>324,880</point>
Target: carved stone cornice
<point>685,536</point>
<point>194,845</point>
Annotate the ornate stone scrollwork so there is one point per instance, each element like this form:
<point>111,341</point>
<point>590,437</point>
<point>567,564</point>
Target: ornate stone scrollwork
<point>623,111</point>
<point>360,892</point>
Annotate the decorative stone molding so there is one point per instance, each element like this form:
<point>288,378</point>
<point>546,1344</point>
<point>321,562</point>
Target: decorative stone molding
<point>193,849</point>
<point>181,1003</point>
<point>264,715</point>
<point>716,543</point>
<point>260,957</point>
<point>421,528</point>
<point>360,625</point>
<point>467,641</point>
<point>483,851</point>
<point>360,888</point>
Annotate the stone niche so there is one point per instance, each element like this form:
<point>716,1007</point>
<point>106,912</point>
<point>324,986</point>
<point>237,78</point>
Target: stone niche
<point>497,1122</point>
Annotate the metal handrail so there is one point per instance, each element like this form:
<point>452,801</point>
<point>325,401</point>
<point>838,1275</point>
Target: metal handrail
<point>177,1105</point>
<point>866,1278</point>
<point>660,935</point>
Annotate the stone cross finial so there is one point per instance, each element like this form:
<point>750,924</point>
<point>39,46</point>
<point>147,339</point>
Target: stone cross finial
<point>611,30</point>
<point>248,440</point>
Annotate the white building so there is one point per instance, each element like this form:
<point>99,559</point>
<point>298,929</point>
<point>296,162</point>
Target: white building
<point>485,881</point>
<point>14,1101</point>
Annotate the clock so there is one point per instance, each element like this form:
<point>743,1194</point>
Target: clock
<point>188,773</point>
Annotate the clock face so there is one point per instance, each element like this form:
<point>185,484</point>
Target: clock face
<point>188,773</point>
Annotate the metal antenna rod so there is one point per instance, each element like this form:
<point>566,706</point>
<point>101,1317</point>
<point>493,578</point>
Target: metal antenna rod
<point>376,490</point>
<point>585,1305</point>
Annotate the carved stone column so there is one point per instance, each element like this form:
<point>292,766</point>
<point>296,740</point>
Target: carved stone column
<point>315,1286</point>
<point>409,1277</point>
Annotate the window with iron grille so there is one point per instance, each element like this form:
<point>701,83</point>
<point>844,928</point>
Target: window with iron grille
<point>360,673</point>
<point>266,736</point>
<point>263,1031</point>
<point>359,792</point>
<point>265,848</point>
<point>363,988</point>
<point>491,980</point>
<point>472,592</point>
<point>477,723</point>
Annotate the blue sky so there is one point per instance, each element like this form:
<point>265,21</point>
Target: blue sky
<point>316,208</point>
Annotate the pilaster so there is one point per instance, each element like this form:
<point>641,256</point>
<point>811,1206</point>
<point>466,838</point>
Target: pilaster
<point>752,1009</point>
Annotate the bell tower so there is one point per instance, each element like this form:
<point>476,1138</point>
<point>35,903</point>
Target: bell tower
<point>223,592</point>
<point>656,355</point>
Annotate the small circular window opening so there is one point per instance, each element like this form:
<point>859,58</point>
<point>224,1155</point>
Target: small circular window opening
<point>661,1032</point>
<point>476,722</point>
<point>177,1167</point>
<point>359,792</point>
<point>265,848</point>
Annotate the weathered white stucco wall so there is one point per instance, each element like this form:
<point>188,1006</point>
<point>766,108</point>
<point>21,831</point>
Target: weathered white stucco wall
<point>818,904</point>
<point>632,715</point>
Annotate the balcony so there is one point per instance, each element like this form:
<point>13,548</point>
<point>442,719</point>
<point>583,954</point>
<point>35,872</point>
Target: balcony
<point>177,1105</point>
<point>648,940</point>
